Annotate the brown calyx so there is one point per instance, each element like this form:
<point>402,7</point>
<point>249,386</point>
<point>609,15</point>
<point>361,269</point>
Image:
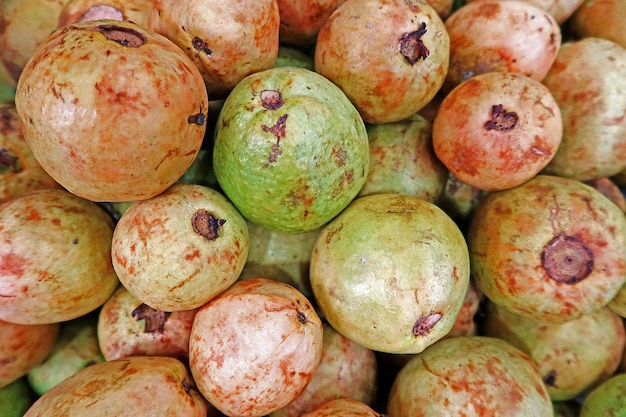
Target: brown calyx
<point>154,319</point>
<point>206,224</point>
<point>122,35</point>
<point>200,45</point>
<point>501,119</point>
<point>412,47</point>
<point>271,99</point>
<point>8,161</point>
<point>423,325</point>
<point>567,259</point>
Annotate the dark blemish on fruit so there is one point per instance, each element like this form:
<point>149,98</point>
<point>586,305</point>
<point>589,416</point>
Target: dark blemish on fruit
<point>186,386</point>
<point>567,259</point>
<point>206,224</point>
<point>277,130</point>
<point>200,45</point>
<point>198,119</point>
<point>75,241</point>
<point>8,161</point>
<point>271,99</point>
<point>154,319</point>
<point>501,120</point>
<point>301,316</point>
<point>550,378</point>
<point>424,324</point>
<point>340,156</point>
<point>123,36</point>
<point>412,47</point>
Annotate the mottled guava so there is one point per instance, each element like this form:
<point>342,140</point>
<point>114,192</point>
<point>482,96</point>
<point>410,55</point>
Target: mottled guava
<point>290,149</point>
<point>391,273</point>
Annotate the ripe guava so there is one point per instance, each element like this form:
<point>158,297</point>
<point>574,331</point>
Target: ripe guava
<point>179,249</point>
<point>389,57</point>
<point>552,249</point>
<point>471,376</point>
<point>291,151</point>
<point>391,273</point>
<point>111,110</point>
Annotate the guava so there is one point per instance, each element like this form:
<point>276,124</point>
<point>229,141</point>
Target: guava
<point>471,376</point>
<point>300,21</point>
<point>500,36</point>
<point>572,357</point>
<point>24,346</point>
<point>281,256</point>
<point>148,386</point>
<point>587,82</point>
<point>255,347</point>
<point>290,151</point>
<point>55,257</point>
<point>25,24</point>
<point>606,399</point>
<point>226,41</point>
<point>346,370</point>
<point>599,19</point>
<point>402,160</point>
<point>74,11</point>
<point>293,57</point>
<point>552,249</point>
<point>391,273</point>
<point>128,327</point>
<point>111,110</point>
<point>560,10</point>
<point>497,130</point>
<point>345,407</point>
<point>75,348</point>
<point>20,172</point>
<point>389,57</point>
<point>16,398</point>
<point>181,248</point>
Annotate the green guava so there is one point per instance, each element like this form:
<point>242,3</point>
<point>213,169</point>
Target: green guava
<point>290,149</point>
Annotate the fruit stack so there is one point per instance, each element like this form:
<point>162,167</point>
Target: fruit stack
<point>312,208</point>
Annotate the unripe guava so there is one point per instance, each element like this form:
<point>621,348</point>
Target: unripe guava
<point>606,399</point>
<point>111,110</point>
<point>291,151</point>
<point>391,273</point>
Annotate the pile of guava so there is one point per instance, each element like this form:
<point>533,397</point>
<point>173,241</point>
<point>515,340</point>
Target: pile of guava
<point>289,208</point>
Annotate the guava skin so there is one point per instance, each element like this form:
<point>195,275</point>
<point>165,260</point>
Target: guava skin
<point>471,376</point>
<point>75,11</point>
<point>300,21</point>
<point>55,257</point>
<point>20,172</point>
<point>178,250</point>
<point>128,327</point>
<point>391,273</point>
<point>226,40</point>
<point>23,347</point>
<point>573,357</point>
<point>402,160</point>
<point>606,399</point>
<point>254,347</point>
<point>157,385</point>
<point>97,107</point>
<point>345,407</point>
<point>389,57</point>
<point>290,150</point>
<point>552,249</point>
<point>587,82</point>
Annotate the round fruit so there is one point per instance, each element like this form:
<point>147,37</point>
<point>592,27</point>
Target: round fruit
<point>156,385</point>
<point>55,257</point>
<point>112,111</point>
<point>181,248</point>
<point>500,36</point>
<point>290,149</point>
<point>471,376</point>
<point>255,347</point>
<point>391,273</point>
<point>552,249</point>
<point>389,57</point>
<point>497,130</point>
<point>587,82</point>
